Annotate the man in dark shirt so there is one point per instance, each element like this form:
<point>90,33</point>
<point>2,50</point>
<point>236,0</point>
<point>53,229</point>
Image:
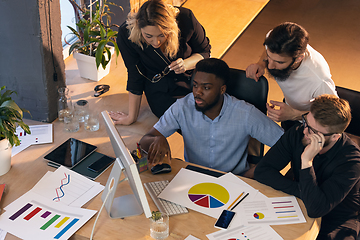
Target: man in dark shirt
<point>325,167</point>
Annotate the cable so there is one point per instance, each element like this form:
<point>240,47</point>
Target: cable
<point>111,186</point>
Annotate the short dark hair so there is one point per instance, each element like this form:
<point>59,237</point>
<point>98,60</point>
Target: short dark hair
<point>331,112</point>
<point>287,38</point>
<point>214,66</point>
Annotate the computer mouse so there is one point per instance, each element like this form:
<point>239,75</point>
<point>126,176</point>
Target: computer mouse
<point>161,168</point>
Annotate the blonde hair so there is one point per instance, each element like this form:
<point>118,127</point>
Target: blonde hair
<point>155,13</point>
<point>331,112</point>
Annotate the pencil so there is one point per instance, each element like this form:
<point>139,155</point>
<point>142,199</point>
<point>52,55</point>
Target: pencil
<point>236,200</point>
<point>239,201</point>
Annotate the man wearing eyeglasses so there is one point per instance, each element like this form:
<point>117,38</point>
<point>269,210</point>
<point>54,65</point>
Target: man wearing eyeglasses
<point>301,72</point>
<point>325,166</point>
<point>215,126</point>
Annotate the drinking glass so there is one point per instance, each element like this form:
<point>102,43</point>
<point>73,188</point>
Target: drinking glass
<point>71,121</point>
<point>92,122</point>
<point>82,110</point>
<point>159,226</point>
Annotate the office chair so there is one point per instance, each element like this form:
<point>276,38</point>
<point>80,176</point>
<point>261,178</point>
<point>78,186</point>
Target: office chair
<point>253,92</point>
<point>353,97</point>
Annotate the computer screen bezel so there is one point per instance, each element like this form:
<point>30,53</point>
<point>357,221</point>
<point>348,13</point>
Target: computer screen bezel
<point>127,164</point>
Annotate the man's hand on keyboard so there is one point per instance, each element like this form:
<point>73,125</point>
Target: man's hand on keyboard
<point>159,151</point>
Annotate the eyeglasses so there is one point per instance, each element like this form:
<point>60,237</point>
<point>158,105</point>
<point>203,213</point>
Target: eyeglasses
<point>159,76</point>
<point>306,125</point>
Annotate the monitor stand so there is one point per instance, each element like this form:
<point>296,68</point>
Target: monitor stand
<point>120,207</point>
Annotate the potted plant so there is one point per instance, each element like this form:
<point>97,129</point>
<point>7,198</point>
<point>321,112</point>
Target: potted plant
<point>94,33</point>
<point>10,117</point>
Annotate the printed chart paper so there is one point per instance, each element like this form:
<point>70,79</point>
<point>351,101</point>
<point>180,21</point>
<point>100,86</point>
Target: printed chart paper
<point>273,211</point>
<point>253,232</point>
<point>230,177</point>
<point>33,217</point>
<point>67,187</point>
<point>40,134</point>
<point>203,193</point>
<point>2,234</point>
<point>191,237</point>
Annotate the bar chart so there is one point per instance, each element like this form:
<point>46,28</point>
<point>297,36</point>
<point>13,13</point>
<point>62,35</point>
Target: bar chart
<point>34,217</point>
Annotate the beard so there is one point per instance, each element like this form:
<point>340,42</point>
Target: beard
<point>207,106</point>
<point>283,74</point>
<point>306,142</point>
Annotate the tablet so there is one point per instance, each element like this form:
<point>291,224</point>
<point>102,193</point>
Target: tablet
<point>70,153</point>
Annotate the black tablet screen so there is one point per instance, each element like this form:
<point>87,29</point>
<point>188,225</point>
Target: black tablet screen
<point>70,152</point>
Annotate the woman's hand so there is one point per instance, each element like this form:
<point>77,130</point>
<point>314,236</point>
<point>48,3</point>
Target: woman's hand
<point>120,118</point>
<point>178,66</point>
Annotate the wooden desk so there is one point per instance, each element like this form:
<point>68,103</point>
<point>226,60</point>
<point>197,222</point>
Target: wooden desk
<point>29,166</point>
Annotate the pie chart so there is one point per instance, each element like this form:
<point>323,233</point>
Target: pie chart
<point>209,195</point>
<point>259,215</point>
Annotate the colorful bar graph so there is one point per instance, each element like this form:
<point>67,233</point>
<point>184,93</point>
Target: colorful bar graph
<point>21,211</point>
<point>46,214</point>
<point>33,213</point>
<point>62,222</point>
<point>51,221</point>
<point>62,232</point>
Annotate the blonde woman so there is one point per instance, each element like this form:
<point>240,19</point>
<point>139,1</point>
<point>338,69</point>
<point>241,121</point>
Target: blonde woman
<point>160,46</point>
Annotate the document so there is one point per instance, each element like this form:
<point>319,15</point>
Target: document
<point>204,193</point>
<point>67,187</point>
<point>33,217</point>
<point>259,232</point>
<point>2,234</point>
<point>273,211</point>
<point>191,237</point>
<point>40,134</point>
<point>230,177</point>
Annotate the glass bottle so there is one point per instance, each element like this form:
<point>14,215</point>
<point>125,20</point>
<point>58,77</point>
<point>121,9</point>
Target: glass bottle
<point>64,102</point>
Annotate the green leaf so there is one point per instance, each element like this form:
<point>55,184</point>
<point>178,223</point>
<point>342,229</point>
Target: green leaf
<point>99,53</point>
<point>155,215</point>
<point>10,117</point>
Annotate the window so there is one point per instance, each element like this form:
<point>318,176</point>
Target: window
<point>67,19</point>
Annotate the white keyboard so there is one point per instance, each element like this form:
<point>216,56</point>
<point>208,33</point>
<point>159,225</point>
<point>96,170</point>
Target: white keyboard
<point>154,189</point>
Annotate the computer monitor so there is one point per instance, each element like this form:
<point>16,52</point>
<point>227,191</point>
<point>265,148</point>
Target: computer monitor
<point>127,205</point>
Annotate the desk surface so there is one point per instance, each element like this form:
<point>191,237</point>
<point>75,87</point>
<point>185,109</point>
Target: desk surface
<point>29,165</point>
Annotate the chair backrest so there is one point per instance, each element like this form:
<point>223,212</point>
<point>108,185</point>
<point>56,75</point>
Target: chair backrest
<point>248,89</point>
<point>353,97</point>
<point>253,92</point>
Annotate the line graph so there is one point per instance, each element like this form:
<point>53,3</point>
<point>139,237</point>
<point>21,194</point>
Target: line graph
<point>67,177</point>
<point>69,188</point>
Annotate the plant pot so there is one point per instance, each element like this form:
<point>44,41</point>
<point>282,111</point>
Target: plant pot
<point>87,66</point>
<point>5,156</point>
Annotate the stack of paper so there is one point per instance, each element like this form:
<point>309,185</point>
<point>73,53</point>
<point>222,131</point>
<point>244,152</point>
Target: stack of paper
<point>52,208</point>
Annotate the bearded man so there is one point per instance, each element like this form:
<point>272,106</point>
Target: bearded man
<point>301,72</point>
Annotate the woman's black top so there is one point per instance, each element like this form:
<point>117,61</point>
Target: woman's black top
<point>143,64</point>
